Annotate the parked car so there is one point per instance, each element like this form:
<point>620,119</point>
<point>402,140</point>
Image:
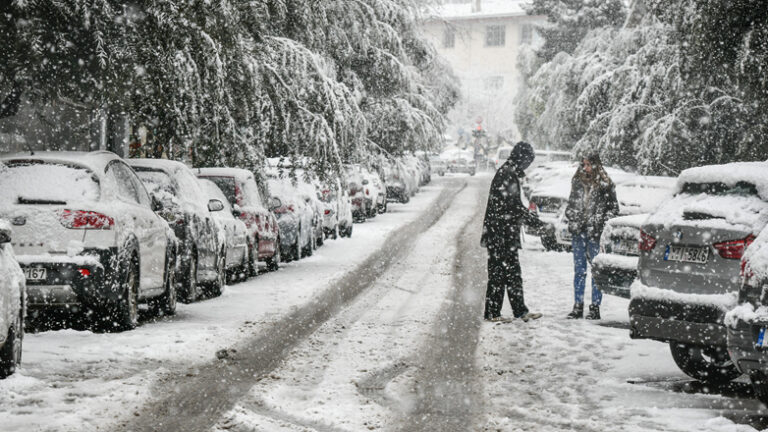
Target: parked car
<point>307,186</point>
<point>250,203</point>
<point>615,267</point>
<point>374,193</point>
<point>502,154</point>
<point>189,212</point>
<point>234,231</point>
<point>87,236</point>
<point>337,213</point>
<point>438,165</point>
<point>12,307</point>
<point>399,187</point>
<point>748,322</point>
<point>360,206</point>
<point>294,216</point>
<point>690,253</point>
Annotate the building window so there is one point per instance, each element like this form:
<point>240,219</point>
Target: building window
<point>495,35</point>
<point>493,84</point>
<point>449,38</point>
<point>526,34</point>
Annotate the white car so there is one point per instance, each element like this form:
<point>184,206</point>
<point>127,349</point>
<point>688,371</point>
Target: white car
<point>12,295</point>
<point>234,231</point>
<point>294,216</point>
<point>337,214</point>
<point>87,236</point>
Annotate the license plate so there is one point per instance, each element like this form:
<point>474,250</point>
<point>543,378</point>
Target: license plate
<point>35,273</point>
<point>762,341</point>
<point>695,255</point>
<point>626,246</point>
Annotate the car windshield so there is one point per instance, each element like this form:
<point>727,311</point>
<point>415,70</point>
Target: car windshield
<point>156,180</point>
<point>41,182</point>
<point>722,189</point>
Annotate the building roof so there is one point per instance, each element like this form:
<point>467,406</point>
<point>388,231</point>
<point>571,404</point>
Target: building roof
<point>488,9</point>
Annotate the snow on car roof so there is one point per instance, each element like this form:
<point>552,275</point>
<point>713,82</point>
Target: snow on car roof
<point>162,164</point>
<point>238,173</point>
<point>757,255</point>
<point>95,161</point>
<point>730,174</point>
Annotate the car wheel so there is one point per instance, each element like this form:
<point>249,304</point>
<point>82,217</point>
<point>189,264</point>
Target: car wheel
<point>166,303</point>
<point>335,232</point>
<point>711,365</point>
<point>760,386</point>
<point>126,313</point>
<point>188,293</point>
<point>273,263</point>
<point>320,240</point>
<point>349,230</point>
<point>405,198</point>
<point>10,352</point>
<point>252,268</point>
<point>215,287</point>
<point>309,249</point>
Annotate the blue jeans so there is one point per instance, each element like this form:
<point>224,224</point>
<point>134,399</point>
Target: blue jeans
<point>584,249</point>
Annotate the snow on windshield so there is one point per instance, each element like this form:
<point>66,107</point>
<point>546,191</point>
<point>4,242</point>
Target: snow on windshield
<point>46,183</point>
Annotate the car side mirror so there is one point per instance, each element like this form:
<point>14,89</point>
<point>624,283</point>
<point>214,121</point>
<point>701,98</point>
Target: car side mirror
<point>215,205</point>
<point>365,182</point>
<point>5,235</point>
<point>275,203</point>
<point>236,211</point>
<point>157,205</point>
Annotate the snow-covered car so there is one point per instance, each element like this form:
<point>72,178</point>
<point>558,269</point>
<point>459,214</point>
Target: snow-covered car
<point>87,236</point>
<point>374,193</point>
<point>437,165</point>
<point>399,187</point>
<point>337,217</point>
<point>360,206</point>
<point>234,231</point>
<point>615,267</point>
<point>462,166</point>
<point>250,201</point>
<point>502,154</point>
<point>12,308</point>
<point>189,212</point>
<point>309,189</point>
<point>690,264</point>
<point>747,323</point>
<point>294,216</point>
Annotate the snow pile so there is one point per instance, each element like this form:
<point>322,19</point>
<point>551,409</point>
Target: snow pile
<point>724,302</point>
<point>748,213</point>
<point>12,276</point>
<point>47,182</point>
<point>616,261</point>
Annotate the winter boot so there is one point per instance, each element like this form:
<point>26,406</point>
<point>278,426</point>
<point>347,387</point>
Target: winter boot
<point>578,311</point>
<point>531,316</point>
<point>594,312</point>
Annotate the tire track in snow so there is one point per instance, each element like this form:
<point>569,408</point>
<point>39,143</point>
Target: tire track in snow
<point>195,403</point>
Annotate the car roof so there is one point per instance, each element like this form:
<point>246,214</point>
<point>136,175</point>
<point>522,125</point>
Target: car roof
<point>730,174</point>
<point>96,161</point>
<point>238,173</point>
<point>161,164</point>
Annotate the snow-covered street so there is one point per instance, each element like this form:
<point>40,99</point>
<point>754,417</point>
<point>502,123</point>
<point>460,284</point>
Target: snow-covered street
<point>381,332</point>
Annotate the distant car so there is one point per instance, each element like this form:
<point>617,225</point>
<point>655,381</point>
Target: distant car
<point>250,201</point>
<point>12,307</point>
<point>438,165</point>
<point>360,206</point>
<point>375,195</point>
<point>615,267</point>
<point>690,264</point>
<point>294,216</point>
<point>188,210</point>
<point>399,188</point>
<point>87,236</point>
<point>502,154</point>
<point>747,323</point>
<point>462,165</point>
<point>234,231</point>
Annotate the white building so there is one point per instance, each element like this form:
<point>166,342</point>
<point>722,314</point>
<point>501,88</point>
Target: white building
<point>481,39</point>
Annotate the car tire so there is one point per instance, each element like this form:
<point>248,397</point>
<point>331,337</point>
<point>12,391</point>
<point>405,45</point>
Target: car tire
<point>125,315</point>
<point>165,304</point>
<point>405,199</point>
<point>273,262</point>
<point>760,386</point>
<point>711,365</point>
<point>10,352</point>
<point>349,230</point>
<point>215,287</point>
<point>189,284</point>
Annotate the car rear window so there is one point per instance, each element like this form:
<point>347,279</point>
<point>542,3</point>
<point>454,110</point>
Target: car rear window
<point>227,185</point>
<point>42,182</point>
<point>717,188</point>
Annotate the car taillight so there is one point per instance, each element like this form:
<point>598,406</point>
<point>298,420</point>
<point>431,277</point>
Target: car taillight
<point>328,211</point>
<point>82,219</point>
<point>734,249</point>
<point>647,242</point>
<point>532,206</point>
<point>367,192</point>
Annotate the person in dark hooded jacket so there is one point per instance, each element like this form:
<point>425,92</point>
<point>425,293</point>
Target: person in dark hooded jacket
<point>504,215</point>
<point>591,203</point>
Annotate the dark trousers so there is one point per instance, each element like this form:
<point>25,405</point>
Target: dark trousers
<point>504,275</point>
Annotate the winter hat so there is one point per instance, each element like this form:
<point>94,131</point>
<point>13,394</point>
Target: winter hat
<point>522,155</point>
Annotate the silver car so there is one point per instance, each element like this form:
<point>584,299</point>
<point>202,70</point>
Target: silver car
<point>690,252</point>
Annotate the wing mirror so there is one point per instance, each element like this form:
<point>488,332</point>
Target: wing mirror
<point>275,203</point>
<point>5,235</point>
<point>215,205</point>
<point>236,211</point>
<point>365,182</point>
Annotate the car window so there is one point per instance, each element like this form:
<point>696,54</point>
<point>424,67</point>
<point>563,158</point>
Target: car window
<point>41,182</point>
<point>226,185</point>
<point>717,188</point>
<point>121,179</point>
<point>141,191</point>
<point>156,180</point>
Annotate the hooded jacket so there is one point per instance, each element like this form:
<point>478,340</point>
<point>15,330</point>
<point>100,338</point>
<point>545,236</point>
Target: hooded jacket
<point>505,212</point>
<point>590,206</point>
